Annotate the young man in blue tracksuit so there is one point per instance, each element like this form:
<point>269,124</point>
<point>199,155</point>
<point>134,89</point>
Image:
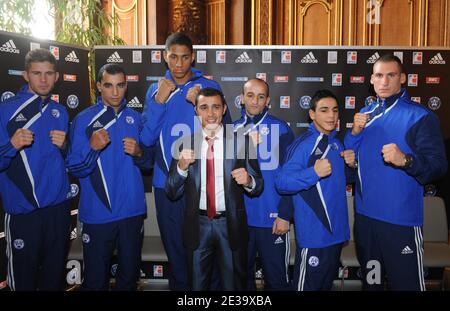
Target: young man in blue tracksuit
<point>268,215</point>
<point>314,172</point>
<point>399,148</point>
<point>168,115</point>
<point>105,155</point>
<point>34,185</point>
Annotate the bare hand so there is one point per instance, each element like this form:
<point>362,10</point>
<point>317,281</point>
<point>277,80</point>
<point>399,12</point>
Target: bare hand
<point>322,167</point>
<point>192,94</point>
<point>131,147</point>
<point>187,157</point>
<point>280,226</point>
<point>349,157</point>
<point>256,138</point>
<point>99,139</point>
<point>165,87</point>
<point>359,122</point>
<point>241,176</point>
<point>22,138</point>
<point>392,154</point>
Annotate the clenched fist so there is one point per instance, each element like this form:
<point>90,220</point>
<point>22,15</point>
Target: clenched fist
<point>192,94</point>
<point>187,157</point>
<point>322,167</point>
<point>165,87</point>
<point>393,155</point>
<point>22,138</point>
<point>349,157</point>
<point>58,138</point>
<point>241,176</point>
<point>280,226</point>
<point>131,147</point>
<point>99,139</point>
<point>359,122</point>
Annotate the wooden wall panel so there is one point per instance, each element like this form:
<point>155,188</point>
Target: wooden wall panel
<point>132,15</point>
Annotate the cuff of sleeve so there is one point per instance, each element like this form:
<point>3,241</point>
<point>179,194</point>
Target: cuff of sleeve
<point>252,185</point>
<point>182,173</point>
<point>8,150</point>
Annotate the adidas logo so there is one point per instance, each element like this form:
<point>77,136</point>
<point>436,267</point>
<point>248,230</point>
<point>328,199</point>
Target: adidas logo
<point>97,124</point>
<point>437,60</point>
<point>278,241</point>
<point>372,59</point>
<point>134,103</point>
<point>309,59</point>
<point>407,250</point>
<point>9,47</point>
<point>20,118</point>
<point>318,152</point>
<point>72,57</point>
<point>114,58</point>
<point>243,58</point>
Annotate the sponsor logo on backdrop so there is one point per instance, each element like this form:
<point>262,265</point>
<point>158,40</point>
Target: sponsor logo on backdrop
<point>132,78</point>
<point>72,57</point>
<point>302,124</point>
<point>243,59</point>
<point>349,125</point>
<point>71,78</point>
<point>437,60</point>
<point>158,271</point>
<point>350,102</point>
<point>338,128</point>
<point>399,54</point>
<point>74,189</point>
<point>209,77</point>
<point>55,51</point>
<point>433,80</point>
<point>352,57</point>
<point>19,244</point>
<point>237,102</point>
<point>356,79</point>
<point>286,57</point>
<point>262,76</point>
<point>417,58</point>
<point>434,103</point>
<point>304,102</point>
<point>153,78</point>
<point>309,79</point>
<point>72,101</point>
<point>13,72</point>
<point>370,100</point>
<point>137,57</point>
<point>155,57</point>
<point>34,46</point>
<point>114,58</point>
<point>134,103</point>
<point>266,57</point>
<point>9,47</point>
<point>285,102</point>
<point>372,59</point>
<point>336,79</point>
<point>281,79</point>
<point>332,57</point>
<point>233,79</point>
<point>221,57</point>
<point>6,95</point>
<point>309,59</point>
<point>416,99</point>
<point>55,97</point>
<point>201,57</point>
<point>413,79</point>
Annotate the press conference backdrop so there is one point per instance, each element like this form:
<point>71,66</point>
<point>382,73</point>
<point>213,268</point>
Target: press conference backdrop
<point>72,91</point>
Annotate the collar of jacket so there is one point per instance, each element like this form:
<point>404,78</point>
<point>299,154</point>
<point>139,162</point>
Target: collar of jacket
<point>195,75</point>
<point>391,99</point>
<point>24,92</point>
<point>312,127</point>
<point>122,105</point>
<point>245,119</point>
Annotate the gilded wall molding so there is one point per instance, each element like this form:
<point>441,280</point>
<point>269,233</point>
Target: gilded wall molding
<point>304,6</point>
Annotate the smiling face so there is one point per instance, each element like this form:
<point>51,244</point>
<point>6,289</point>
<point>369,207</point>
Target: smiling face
<point>255,97</point>
<point>112,88</point>
<point>41,78</point>
<point>210,110</point>
<point>387,79</point>
<point>326,115</point>
<point>179,59</point>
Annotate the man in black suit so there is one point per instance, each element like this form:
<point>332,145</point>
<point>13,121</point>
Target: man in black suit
<point>214,176</point>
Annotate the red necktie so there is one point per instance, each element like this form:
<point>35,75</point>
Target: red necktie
<point>210,179</point>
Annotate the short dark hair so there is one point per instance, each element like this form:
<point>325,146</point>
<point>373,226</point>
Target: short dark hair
<point>39,56</point>
<point>257,79</point>
<point>179,38</point>
<point>388,58</point>
<point>320,94</point>
<point>210,92</point>
<point>112,69</point>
